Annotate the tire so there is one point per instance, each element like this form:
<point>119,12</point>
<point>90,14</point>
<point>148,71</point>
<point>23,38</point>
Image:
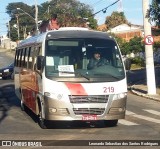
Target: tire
<point>110,123</point>
<point>41,121</point>
<point>4,78</point>
<point>23,108</point>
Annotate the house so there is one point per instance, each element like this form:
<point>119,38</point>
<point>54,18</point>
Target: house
<point>102,27</point>
<point>6,43</point>
<point>127,31</point>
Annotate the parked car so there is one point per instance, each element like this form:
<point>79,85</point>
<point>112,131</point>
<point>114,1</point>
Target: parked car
<point>7,72</point>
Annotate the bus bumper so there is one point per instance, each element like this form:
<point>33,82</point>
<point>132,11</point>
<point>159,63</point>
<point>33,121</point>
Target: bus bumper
<point>63,111</point>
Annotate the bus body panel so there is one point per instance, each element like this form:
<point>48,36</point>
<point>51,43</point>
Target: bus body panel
<point>87,98</point>
<point>29,88</point>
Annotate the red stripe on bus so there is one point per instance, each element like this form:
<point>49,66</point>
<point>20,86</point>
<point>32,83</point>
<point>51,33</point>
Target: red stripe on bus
<point>76,89</point>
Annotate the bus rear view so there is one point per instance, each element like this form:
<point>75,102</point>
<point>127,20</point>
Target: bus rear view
<point>82,78</point>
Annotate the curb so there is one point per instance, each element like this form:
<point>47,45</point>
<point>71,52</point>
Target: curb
<point>143,95</point>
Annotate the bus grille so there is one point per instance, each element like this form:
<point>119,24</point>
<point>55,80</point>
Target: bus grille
<point>89,99</point>
<point>92,111</point>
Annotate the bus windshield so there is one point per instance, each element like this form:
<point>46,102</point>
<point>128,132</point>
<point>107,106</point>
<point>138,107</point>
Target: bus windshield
<point>89,59</point>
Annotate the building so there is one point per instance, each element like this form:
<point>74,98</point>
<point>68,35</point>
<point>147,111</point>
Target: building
<point>6,43</point>
<point>102,27</point>
<point>127,31</point>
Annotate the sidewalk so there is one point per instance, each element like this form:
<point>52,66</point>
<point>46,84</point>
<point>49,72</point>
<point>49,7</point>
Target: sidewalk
<point>10,53</point>
<point>141,90</point>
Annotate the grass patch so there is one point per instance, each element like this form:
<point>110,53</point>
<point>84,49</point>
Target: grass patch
<point>135,66</point>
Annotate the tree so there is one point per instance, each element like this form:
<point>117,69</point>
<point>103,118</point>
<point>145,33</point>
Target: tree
<point>136,45</point>
<point>20,19</point>
<point>115,19</point>
<point>123,45</point>
<point>69,13</point>
<point>153,12</point>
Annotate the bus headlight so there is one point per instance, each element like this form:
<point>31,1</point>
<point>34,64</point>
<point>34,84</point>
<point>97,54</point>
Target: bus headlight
<point>120,96</point>
<point>53,95</point>
<point>47,94</point>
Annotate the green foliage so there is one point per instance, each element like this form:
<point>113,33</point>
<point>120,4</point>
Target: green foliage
<point>115,19</point>
<point>138,61</point>
<point>124,46</point>
<point>156,45</point>
<point>69,12</point>
<point>26,23</point>
<point>153,12</point>
<point>134,45</point>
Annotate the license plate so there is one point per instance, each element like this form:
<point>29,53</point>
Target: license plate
<point>89,117</point>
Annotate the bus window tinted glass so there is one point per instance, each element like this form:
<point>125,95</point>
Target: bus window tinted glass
<point>74,55</point>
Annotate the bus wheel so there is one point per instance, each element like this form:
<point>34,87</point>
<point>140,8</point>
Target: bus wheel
<point>22,106</point>
<point>41,121</point>
<point>110,123</point>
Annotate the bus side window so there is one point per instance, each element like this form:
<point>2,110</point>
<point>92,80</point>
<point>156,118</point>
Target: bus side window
<point>24,57</point>
<point>29,59</point>
<point>19,57</point>
<point>16,57</point>
<point>37,52</point>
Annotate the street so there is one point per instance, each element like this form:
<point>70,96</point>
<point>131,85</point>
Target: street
<point>142,121</point>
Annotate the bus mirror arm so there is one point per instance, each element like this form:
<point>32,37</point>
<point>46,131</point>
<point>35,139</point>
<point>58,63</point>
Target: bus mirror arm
<point>40,63</point>
<point>127,63</point>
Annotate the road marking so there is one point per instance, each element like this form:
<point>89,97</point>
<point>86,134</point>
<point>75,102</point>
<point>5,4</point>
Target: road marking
<point>152,111</point>
<point>129,113</point>
<point>143,117</point>
<point>125,122</point>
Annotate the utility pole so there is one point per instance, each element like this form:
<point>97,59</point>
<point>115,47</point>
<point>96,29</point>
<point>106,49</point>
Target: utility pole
<point>9,32</point>
<point>150,72</point>
<point>36,16</point>
<point>17,17</point>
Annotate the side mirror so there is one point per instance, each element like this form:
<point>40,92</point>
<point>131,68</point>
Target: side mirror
<point>127,63</point>
<point>40,62</point>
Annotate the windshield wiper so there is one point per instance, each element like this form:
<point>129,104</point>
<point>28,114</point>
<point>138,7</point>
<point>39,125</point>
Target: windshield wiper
<point>82,75</point>
<point>100,74</point>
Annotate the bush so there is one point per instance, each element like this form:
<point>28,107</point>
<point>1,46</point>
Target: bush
<point>138,61</point>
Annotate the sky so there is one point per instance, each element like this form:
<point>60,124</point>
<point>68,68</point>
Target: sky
<point>131,8</point>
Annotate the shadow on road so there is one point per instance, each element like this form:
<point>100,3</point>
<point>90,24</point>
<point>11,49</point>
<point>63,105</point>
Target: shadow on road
<point>8,99</point>
<point>138,77</point>
<point>67,124</point>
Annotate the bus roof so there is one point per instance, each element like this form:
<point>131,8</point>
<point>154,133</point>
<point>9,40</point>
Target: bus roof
<point>65,32</point>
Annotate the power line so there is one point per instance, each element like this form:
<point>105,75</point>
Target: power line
<point>104,9</point>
